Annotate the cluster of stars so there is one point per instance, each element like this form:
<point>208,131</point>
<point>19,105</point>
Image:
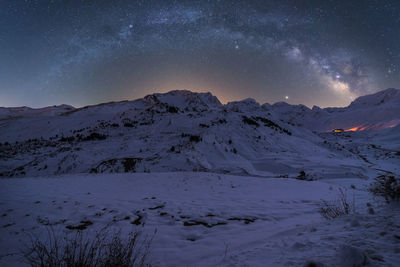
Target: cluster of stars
<point>93,51</point>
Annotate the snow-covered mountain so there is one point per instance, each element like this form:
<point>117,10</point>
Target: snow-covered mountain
<point>30,112</point>
<point>388,97</point>
<point>201,214</point>
<point>186,131</point>
<point>375,111</point>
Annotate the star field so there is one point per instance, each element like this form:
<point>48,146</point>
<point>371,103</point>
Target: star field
<point>322,53</point>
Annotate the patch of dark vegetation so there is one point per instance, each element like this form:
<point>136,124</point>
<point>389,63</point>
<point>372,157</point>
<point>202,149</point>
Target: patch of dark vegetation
<point>172,149</point>
<point>106,124</point>
<point>208,225</point>
<point>271,124</point>
<point>245,220</point>
<point>192,137</point>
<point>172,109</point>
<point>157,207</point>
<point>67,139</point>
<point>387,187</point>
<point>8,225</point>
<point>117,165</point>
<point>75,131</point>
<point>362,157</point>
<point>129,164</point>
<point>313,264</point>
<point>105,249</point>
<point>202,125</point>
<point>268,123</point>
<point>128,123</point>
<point>304,177</point>
<point>20,168</point>
<point>94,136</point>
<point>138,220</point>
<point>146,122</point>
<point>195,138</point>
<point>250,121</point>
<point>81,226</point>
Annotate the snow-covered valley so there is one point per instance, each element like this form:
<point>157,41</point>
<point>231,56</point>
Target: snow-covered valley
<point>239,184</point>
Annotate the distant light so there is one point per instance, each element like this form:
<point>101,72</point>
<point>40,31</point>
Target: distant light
<point>286,97</point>
<point>236,46</point>
<point>130,26</point>
<point>338,76</point>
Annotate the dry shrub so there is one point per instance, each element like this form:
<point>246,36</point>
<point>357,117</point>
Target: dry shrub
<point>105,249</point>
<point>336,208</point>
<point>386,186</point>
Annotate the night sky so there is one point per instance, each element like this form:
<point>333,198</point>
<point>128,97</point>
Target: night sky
<point>83,52</point>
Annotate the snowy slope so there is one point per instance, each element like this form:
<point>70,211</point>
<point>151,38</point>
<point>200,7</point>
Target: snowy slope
<point>375,111</point>
<point>31,112</point>
<point>388,97</point>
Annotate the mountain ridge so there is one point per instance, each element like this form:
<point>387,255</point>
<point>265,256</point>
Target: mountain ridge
<point>386,94</point>
<point>186,131</point>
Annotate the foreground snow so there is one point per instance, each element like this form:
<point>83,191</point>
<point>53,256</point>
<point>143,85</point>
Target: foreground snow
<point>241,220</point>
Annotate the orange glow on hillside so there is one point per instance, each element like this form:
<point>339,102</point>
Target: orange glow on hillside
<point>378,126</point>
<point>356,129</point>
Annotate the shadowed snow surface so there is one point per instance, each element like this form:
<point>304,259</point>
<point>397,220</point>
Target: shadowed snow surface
<point>250,221</point>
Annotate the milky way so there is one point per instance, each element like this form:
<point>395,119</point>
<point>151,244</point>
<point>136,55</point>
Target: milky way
<point>322,53</point>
